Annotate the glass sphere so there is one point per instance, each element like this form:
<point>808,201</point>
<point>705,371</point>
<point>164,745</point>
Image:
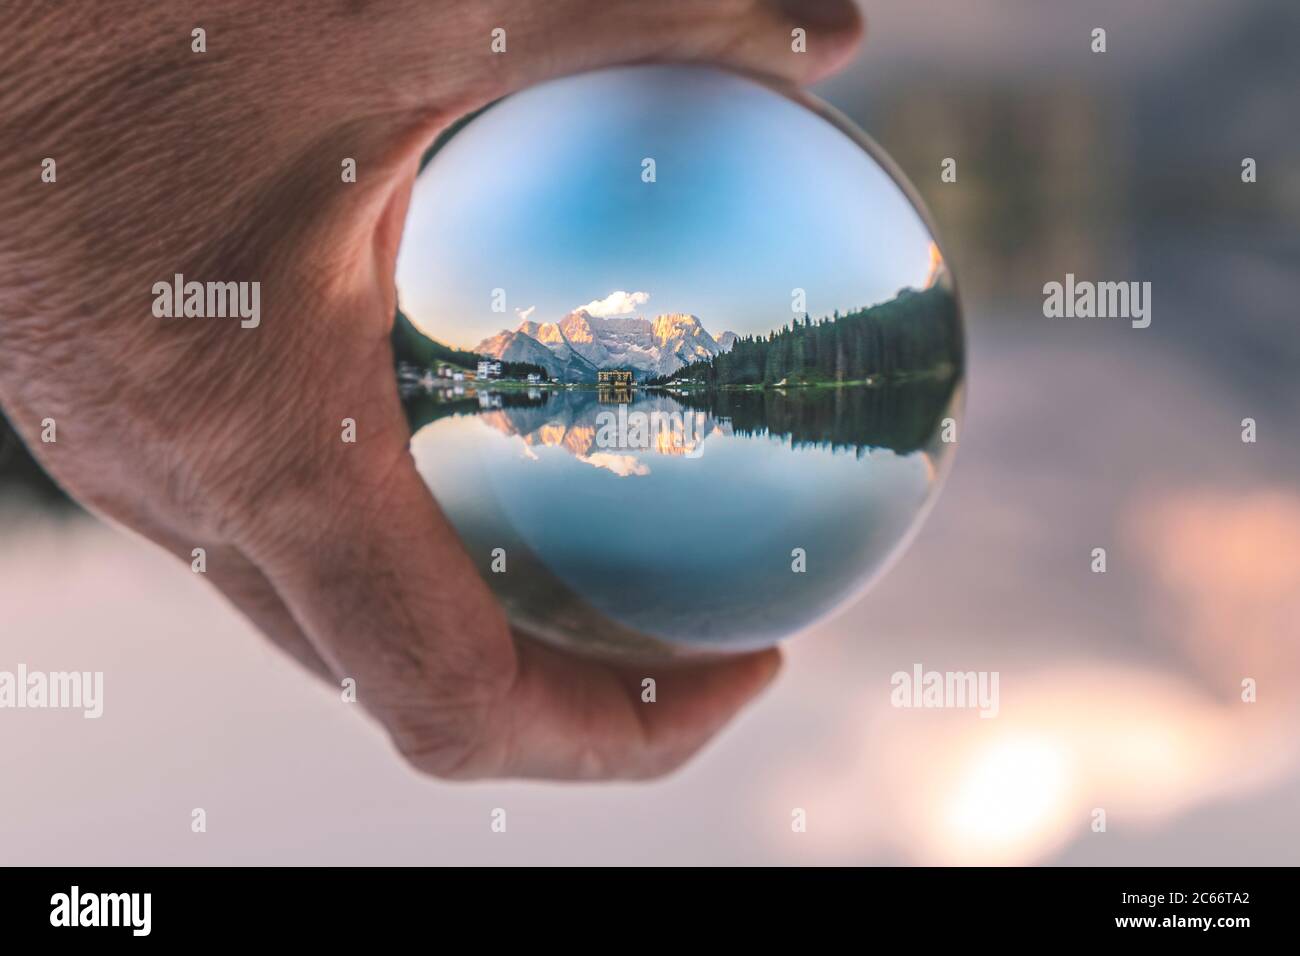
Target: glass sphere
<point>681,357</point>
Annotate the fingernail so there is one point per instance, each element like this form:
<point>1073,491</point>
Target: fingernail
<point>773,664</point>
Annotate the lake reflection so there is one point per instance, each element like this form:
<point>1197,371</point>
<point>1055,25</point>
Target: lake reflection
<point>655,520</point>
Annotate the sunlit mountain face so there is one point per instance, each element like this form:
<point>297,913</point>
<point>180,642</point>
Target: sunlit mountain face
<point>648,347</point>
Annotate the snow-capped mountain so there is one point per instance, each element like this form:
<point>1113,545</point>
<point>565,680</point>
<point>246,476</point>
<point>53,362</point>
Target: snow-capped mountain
<point>560,361</point>
<point>650,347</point>
<point>726,340</point>
<point>515,347</point>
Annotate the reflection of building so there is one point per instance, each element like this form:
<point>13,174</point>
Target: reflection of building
<point>489,370</point>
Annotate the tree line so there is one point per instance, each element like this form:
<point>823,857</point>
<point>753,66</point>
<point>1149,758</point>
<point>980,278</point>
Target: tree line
<point>915,332</point>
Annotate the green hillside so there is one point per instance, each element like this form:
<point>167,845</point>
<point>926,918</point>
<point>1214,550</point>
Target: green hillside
<point>413,347</point>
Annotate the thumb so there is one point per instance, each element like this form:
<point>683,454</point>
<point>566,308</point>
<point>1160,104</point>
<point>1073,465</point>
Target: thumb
<point>374,573</point>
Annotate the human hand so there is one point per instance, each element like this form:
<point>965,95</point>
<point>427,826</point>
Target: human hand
<point>196,432</point>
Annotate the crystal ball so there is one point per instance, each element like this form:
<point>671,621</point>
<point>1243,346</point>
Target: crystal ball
<point>682,360</point>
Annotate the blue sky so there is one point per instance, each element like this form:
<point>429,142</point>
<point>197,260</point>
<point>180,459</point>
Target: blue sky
<point>542,196</point>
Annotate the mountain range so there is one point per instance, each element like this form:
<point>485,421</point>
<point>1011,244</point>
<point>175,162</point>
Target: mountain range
<point>580,344</point>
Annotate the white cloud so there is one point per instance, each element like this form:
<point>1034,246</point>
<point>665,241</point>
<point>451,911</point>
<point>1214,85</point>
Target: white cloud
<point>525,313</point>
<point>617,303</point>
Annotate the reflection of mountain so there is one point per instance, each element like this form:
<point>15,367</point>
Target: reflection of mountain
<point>571,420</point>
<point>423,408</point>
<point>902,417</point>
<point>581,343</point>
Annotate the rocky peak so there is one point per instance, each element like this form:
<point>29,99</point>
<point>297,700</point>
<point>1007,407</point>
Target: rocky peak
<point>577,326</point>
<point>673,325</point>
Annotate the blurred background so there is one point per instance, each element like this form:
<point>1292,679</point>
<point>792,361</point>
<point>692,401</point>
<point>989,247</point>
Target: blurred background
<point>1119,691</point>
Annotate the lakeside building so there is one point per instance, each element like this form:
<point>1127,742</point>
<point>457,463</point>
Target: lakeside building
<point>614,378</point>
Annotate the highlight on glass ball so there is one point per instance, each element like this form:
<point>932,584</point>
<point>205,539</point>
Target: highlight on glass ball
<point>682,360</point>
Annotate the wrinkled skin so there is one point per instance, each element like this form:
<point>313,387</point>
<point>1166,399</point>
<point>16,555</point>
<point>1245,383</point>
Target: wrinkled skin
<point>197,433</point>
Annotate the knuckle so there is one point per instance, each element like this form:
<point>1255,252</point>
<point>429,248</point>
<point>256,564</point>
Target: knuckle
<point>449,743</point>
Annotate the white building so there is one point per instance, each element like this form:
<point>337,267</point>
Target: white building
<point>489,369</point>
